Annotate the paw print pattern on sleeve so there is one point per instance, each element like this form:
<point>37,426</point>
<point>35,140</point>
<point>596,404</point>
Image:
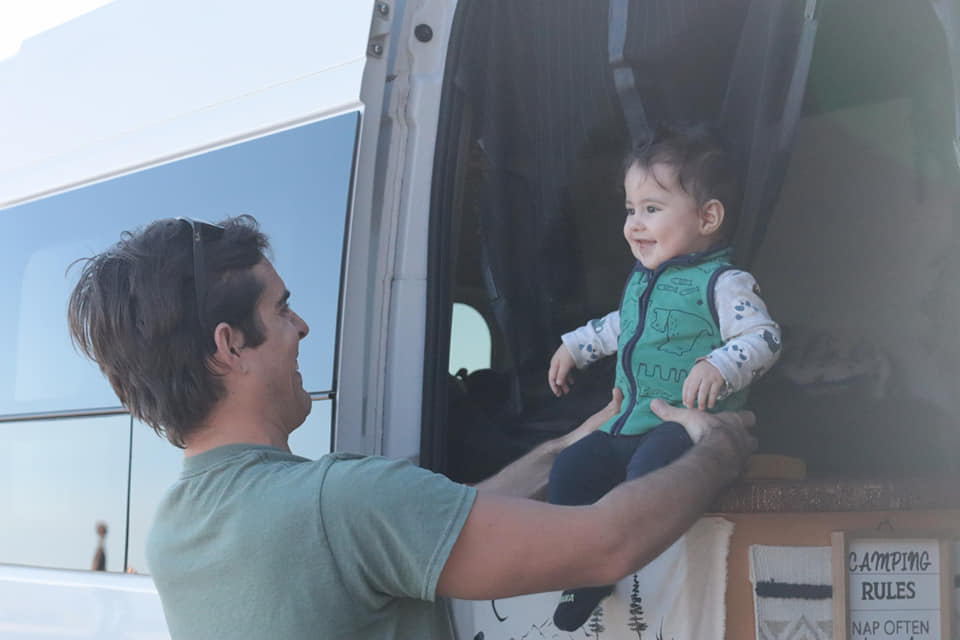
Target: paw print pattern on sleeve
<point>590,351</point>
<point>593,341</point>
<point>739,354</point>
<point>741,308</point>
<point>598,325</point>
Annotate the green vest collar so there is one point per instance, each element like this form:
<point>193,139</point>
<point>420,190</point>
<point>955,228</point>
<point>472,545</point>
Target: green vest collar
<point>716,251</point>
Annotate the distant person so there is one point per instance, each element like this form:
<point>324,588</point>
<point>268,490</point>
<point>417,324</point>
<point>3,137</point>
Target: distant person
<point>194,329</point>
<point>100,556</point>
<point>691,329</point>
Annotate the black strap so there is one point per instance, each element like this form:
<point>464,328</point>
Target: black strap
<point>769,150</point>
<point>777,166</point>
<point>798,81</point>
<point>623,77</point>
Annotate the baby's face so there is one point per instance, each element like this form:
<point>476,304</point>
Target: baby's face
<point>663,220</point>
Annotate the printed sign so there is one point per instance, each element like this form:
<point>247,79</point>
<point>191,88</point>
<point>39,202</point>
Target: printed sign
<point>890,588</point>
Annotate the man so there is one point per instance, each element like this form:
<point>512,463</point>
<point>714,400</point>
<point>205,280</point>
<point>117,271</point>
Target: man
<point>192,325</point>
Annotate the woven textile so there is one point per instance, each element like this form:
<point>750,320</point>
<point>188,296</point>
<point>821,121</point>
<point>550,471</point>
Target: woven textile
<point>793,595</point>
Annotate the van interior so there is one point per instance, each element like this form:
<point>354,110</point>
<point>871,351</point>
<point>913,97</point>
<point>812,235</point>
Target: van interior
<point>843,115</point>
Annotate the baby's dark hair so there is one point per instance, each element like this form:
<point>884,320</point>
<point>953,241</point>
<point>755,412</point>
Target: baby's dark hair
<point>705,170</point>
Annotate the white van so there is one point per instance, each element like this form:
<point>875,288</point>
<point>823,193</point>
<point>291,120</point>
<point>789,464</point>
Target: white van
<point>439,183</point>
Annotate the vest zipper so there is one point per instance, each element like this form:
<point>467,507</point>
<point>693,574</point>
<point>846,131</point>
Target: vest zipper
<point>627,354</point>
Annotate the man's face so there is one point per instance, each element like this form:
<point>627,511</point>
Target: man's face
<point>274,362</point>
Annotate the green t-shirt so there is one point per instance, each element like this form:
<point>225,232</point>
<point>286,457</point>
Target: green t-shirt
<point>254,542</point>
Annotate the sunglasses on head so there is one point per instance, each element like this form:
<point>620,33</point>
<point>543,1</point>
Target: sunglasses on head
<point>199,229</point>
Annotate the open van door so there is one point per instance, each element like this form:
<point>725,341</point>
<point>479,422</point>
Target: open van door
<point>135,111</point>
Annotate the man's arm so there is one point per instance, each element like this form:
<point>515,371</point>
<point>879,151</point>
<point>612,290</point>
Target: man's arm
<point>511,546</point>
<point>527,477</point>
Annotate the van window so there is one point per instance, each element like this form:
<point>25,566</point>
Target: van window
<point>313,438</point>
<point>296,183</point>
<point>154,465</point>
<point>58,480</point>
<point>469,340</point>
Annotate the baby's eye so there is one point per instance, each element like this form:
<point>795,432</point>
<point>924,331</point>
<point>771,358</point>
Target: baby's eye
<point>651,209</point>
<point>630,211</point>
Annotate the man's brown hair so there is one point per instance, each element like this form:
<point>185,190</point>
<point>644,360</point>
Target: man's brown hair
<point>134,312</point>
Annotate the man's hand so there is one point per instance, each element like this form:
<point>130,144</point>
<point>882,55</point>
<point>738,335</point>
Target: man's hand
<point>698,423</point>
<point>560,376</point>
<point>702,386</point>
<point>726,433</point>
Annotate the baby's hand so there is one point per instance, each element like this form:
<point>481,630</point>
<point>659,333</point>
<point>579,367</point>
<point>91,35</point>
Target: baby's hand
<point>702,386</point>
<point>560,376</point>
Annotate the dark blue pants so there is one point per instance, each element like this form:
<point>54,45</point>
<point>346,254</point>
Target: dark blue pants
<point>584,472</point>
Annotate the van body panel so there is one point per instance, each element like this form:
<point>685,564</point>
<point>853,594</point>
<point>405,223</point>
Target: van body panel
<point>413,110</point>
<point>47,604</point>
<point>136,82</point>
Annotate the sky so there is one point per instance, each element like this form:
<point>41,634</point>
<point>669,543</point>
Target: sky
<point>20,19</point>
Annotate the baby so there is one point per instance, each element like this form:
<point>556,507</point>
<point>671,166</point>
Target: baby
<point>691,328</point>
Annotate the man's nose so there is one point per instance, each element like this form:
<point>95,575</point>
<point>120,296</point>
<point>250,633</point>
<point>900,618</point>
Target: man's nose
<point>303,327</point>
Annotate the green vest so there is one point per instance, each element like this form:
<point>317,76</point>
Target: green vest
<point>667,320</point>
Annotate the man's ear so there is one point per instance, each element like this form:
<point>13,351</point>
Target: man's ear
<point>711,217</point>
<point>229,341</point>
